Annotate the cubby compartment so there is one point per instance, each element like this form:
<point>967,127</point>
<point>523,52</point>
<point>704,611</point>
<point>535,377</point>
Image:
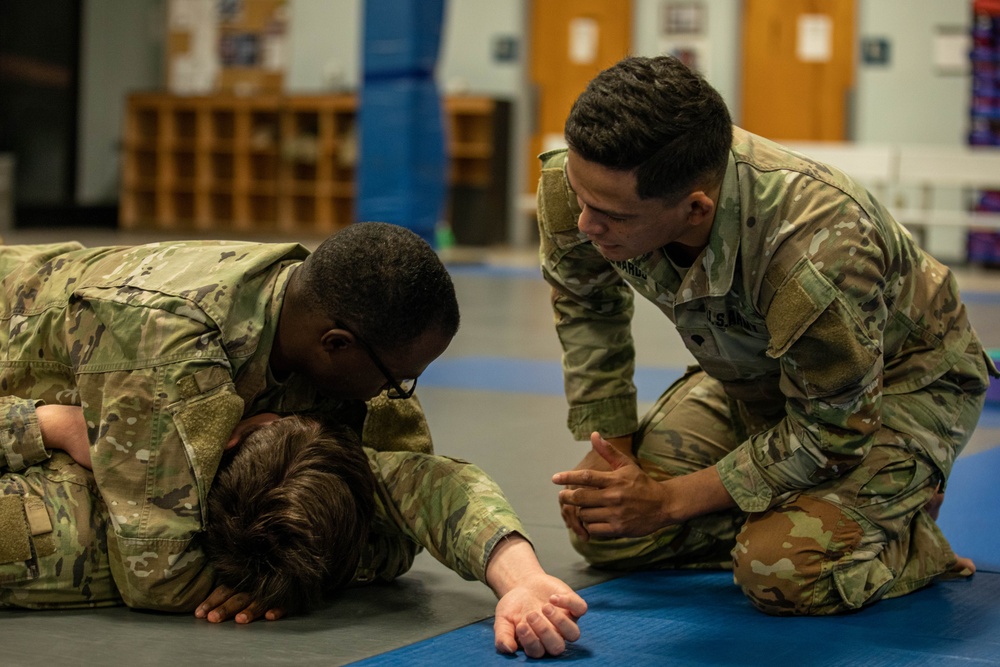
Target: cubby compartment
<point>224,162</point>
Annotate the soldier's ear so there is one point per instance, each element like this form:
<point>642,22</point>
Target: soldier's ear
<point>701,208</point>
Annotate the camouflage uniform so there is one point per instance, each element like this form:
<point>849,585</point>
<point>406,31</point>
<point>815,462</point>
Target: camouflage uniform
<point>166,348</point>
<point>53,527</point>
<point>53,538</point>
<point>838,379</point>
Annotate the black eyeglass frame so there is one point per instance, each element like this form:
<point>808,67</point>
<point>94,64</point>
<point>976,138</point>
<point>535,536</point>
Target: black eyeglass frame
<point>396,389</point>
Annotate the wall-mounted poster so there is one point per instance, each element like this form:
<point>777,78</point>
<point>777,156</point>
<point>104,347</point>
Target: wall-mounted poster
<point>230,46</point>
<point>683,33</point>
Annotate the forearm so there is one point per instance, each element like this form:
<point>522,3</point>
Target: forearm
<point>694,495</point>
<point>598,363</point>
<point>451,508</point>
<point>593,309</point>
<point>63,427</point>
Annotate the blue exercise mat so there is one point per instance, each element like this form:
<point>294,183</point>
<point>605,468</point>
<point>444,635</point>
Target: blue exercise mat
<point>701,618</point>
<point>970,517</point>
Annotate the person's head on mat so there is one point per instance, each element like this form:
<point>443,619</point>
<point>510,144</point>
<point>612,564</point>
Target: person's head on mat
<point>289,512</point>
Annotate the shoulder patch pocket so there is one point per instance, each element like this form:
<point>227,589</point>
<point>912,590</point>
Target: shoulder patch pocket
<point>205,424</point>
<point>799,300</point>
<point>556,203</point>
<point>809,320</point>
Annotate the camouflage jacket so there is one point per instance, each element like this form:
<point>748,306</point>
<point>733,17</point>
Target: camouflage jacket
<point>450,507</point>
<point>166,347</point>
<point>812,306</point>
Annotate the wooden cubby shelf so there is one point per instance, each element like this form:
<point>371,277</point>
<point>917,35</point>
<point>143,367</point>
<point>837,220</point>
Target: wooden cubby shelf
<point>266,163</point>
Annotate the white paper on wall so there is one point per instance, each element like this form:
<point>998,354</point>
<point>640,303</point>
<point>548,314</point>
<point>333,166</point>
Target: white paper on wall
<point>814,43</point>
<point>583,40</point>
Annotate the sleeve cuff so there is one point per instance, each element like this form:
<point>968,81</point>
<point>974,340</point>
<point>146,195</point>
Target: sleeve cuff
<point>21,438</point>
<point>743,481</point>
<point>610,417</point>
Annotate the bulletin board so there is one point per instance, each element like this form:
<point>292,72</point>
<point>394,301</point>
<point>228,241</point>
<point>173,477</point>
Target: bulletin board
<point>226,46</point>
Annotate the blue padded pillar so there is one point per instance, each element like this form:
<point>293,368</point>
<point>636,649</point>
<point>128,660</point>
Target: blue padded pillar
<point>402,168</point>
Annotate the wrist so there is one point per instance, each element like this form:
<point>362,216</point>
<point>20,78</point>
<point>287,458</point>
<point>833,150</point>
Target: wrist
<point>511,563</point>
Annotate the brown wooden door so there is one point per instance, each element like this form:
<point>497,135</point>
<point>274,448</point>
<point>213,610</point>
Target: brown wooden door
<point>571,41</point>
<point>798,68</point>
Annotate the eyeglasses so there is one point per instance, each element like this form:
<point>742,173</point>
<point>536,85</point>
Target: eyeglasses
<point>397,388</point>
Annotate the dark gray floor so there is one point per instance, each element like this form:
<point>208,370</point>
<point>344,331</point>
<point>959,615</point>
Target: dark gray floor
<point>519,439</point>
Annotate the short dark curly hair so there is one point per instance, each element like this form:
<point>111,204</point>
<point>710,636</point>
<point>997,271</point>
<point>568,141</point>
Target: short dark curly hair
<point>657,117</point>
<point>384,282</point>
<point>289,513</point>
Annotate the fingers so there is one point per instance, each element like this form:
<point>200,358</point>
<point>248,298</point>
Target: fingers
<point>541,634</point>
<point>571,603</point>
<point>963,566</point>
<point>587,498</point>
<point>503,636</point>
<point>590,478</point>
<point>571,517</point>
<point>251,613</point>
<point>587,513</point>
<point>230,608</point>
<point>614,458</point>
<point>602,530</point>
<point>224,603</point>
<point>564,625</point>
<point>587,475</point>
<point>216,598</point>
<point>601,521</point>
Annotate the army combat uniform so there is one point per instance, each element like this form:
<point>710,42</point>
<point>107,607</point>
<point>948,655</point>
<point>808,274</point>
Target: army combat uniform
<point>837,380</point>
<point>53,527</point>
<point>166,348</point>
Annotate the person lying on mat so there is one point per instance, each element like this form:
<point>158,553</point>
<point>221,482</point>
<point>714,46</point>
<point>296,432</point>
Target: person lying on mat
<point>838,376</point>
<point>168,346</point>
<point>297,512</point>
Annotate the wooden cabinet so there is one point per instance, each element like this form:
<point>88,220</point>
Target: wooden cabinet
<point>269,164</point>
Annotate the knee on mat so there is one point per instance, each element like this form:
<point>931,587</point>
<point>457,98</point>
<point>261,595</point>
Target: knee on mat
<point>782,559</point>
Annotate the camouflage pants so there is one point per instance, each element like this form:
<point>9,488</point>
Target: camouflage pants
<point>53,551</point>
<point>833,548</point>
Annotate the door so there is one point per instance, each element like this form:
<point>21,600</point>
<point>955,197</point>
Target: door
<point>571,42</point>
<point>798,68</point>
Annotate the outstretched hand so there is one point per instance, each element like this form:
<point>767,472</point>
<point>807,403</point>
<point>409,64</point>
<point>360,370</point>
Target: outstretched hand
<point>621,502</point>
<point>539,615</point>
<point>536,611</point>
